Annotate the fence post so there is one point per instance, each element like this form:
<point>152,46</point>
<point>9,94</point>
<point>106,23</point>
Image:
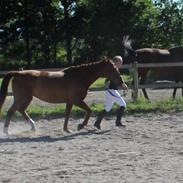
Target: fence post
<point>136,82</point>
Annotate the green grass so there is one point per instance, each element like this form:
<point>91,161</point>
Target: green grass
<point>166,105</point>
<point>99,83</point>
<point>140,107</point>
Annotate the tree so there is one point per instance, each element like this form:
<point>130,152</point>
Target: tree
<point>37,32</point>
<point>169,29</point>
<point>108,21</point>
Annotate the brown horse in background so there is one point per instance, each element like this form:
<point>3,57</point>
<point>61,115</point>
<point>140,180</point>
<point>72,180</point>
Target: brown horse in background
<point>155,55</point>
<point>66,86</point>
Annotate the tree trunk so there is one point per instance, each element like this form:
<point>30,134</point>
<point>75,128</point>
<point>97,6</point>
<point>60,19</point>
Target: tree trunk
<point>28,50</point>
<point>27,37</point>
<point>67,33</point>
<point>55,46</point>
<point>45,46</point>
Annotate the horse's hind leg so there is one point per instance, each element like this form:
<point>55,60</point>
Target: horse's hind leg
<point>143,81</point>
<point>145,93</point>
<point>67,114</point>
<point>20,106</point>
<point>22,109</point>
<point>83,105</point>
<point>28,118</point>
<point>174,92</point>
<point>10,114</point>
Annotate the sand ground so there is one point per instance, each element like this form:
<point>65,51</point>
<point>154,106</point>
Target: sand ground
<point>148,150</point>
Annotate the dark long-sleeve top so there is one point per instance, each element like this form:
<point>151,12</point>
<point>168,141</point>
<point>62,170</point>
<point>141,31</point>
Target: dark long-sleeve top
<point>111,85</point>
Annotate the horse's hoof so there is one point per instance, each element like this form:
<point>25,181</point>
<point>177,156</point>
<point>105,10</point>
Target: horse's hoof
<point>33,128</point>
<point>80,126</point>
<point>121,125</point>
<point>5,131</point>
<point>97,126</point>
<point>67,131</point>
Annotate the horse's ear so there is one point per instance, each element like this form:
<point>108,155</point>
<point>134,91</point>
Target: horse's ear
<point>104,58</point>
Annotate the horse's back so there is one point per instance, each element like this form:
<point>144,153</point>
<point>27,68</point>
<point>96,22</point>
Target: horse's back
<point>57,87</point>
<point>153,50</point>
<point>24,81</point>
<point>151,55</point>
<point>41,84</point>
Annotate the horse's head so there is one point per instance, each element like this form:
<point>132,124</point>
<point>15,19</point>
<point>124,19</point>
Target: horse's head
<point>111,72</point>
<point>129,52</point>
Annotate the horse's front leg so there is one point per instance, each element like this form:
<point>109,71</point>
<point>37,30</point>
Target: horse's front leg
<point>67,114</point>
<point>174,93</point>
<point>143,81</point>
<point>84,106</point>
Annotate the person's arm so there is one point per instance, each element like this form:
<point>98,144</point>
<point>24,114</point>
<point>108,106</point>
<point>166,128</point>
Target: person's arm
<point>123,87</point>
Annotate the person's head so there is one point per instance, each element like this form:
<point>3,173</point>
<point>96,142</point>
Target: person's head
<point>118,61</point>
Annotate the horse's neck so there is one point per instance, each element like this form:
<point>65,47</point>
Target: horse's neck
<point>93,73</point>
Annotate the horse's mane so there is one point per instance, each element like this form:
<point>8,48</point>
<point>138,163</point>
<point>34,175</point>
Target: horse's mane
<point>90,64</point>
<point>128,50</point>
<point>127,42</point>
<point>153,51</point>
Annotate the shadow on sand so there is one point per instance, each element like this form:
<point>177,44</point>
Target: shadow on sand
<point>48,138</point>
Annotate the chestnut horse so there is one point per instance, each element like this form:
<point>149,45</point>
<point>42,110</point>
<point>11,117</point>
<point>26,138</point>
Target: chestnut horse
<point>66,86</point>
<point>155,55</point>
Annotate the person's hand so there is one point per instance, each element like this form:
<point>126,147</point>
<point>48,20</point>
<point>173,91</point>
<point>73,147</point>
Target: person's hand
<point>124,87</point>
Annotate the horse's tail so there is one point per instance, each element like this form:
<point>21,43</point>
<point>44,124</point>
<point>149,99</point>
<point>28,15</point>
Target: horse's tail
<point>128,50</point>
<point>4,86</point>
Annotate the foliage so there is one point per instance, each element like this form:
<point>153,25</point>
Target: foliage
<point>49,33</point>
<point>169,27</point>
<point>100,83</point>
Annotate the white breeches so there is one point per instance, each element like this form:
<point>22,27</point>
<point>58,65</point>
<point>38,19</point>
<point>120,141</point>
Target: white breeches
<point>111,97</point>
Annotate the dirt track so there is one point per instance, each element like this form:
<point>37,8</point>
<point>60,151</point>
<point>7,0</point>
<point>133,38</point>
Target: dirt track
<point>149,150</point>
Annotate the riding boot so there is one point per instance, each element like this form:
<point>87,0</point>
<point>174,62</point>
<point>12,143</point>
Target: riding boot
<point>120,113</point>
<point>99,119</point>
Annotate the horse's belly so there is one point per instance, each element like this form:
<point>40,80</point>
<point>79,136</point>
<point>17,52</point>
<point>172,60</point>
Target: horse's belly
<point>60,91</point>
<point>51,95</point>
<point>51,99</point>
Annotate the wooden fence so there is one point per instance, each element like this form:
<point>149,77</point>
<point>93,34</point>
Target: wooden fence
<point>136,85</point>
<point>135,67</point>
